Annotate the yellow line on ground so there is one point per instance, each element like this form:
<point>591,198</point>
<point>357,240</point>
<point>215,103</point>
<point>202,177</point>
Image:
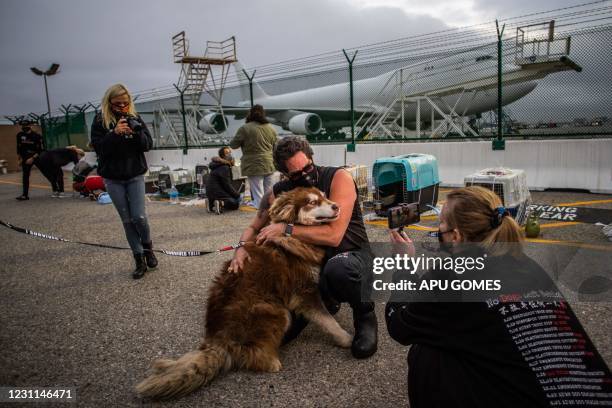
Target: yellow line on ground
<point>384,223</point>
<point>559,224</point>
<point>247,208</point>
<point>570,243</point>
<point>577,203</point>
<point>16,183</point>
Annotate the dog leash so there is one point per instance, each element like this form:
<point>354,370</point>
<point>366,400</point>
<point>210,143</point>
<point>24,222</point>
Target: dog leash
<point>161,251</point>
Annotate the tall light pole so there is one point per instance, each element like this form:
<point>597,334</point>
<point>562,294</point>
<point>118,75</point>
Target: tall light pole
<point>51,71</point>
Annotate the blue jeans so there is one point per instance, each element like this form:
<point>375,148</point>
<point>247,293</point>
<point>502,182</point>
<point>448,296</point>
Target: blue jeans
<point>129,199</point>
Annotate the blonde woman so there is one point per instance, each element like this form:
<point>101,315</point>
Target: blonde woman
<point>499,349</point>
<point>120,138</point>
<point>50,163</point>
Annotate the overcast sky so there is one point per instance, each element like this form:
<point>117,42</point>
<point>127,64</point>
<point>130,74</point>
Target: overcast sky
<point>99,43</point>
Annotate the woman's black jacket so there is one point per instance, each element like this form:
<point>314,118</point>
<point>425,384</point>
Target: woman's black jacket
<point>120,157</point>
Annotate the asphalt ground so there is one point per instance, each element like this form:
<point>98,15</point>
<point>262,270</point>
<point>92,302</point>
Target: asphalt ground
<point>71,316</point>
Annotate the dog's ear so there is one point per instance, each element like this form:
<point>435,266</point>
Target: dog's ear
<point>283,209</point>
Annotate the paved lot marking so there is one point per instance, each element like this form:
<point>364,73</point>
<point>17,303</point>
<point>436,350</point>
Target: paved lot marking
<point>571,243</point>
<point>31,185</point>
<point>559,224</point>
<point>384,223</point>
<point>582,203</point>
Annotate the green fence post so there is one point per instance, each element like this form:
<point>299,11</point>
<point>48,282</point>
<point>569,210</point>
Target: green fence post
<point>499,143</point>
<point>351,147</point>
<point>250,78</point>
<point>66,111</point>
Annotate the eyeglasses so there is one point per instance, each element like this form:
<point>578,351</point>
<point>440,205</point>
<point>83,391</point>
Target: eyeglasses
<point>120,104</point>
<point>293,176</point>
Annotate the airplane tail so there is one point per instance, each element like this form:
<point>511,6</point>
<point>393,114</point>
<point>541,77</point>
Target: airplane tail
<point>258,91</point>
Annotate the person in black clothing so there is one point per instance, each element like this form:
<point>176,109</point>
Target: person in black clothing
<point>120,138</point>
<point>219,190</point>
<point>51,162</point>
<point>492,352</point>
<point>29,147</point>
<point>346,270</point>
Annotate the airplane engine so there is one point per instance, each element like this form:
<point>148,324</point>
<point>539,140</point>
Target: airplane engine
<point>213,123</point>
<point>305,123</point>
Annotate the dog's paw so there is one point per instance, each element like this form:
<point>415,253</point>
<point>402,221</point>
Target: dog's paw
<point>344,340</point>
<point>275,366</point>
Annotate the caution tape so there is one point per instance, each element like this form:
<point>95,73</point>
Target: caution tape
<point>161,251</point>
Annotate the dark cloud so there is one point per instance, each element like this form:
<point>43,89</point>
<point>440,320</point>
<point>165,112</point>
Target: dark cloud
<point>100,43</point>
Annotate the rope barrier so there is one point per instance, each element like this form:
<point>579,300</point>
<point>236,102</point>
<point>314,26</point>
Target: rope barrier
<point>161,251</point>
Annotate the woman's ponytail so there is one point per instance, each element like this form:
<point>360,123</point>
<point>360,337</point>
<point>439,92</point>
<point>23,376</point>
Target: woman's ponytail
<point>480,217</point>
<point>505,238</point>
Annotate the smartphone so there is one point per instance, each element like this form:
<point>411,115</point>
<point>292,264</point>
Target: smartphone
<point>402,215</point>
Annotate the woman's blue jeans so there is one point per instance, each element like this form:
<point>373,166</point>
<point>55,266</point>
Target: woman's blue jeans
<point>129,199</point>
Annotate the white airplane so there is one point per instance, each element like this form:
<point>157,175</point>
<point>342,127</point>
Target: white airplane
<point>467,82</point>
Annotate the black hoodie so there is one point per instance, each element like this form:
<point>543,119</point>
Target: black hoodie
<point>120,157</point>
<point>479,354</point>
<point>219,184</point>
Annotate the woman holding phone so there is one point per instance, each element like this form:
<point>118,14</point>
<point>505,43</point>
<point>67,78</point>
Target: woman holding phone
<point>120,138</point>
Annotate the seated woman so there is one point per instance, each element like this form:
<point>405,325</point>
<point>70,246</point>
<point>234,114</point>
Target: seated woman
<point>219,190</point>
<point>500,351</point>
<point>51,162</point>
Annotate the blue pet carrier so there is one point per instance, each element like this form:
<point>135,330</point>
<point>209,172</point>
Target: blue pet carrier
<point>408,178</point>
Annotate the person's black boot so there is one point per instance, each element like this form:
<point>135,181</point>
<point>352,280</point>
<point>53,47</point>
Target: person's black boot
<point>150,255</point>
<point>141,266</point>
<point>365,341</point>
<point>23,198</point>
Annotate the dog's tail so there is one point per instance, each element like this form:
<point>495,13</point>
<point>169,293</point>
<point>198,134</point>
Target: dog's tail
<point>175,378</point>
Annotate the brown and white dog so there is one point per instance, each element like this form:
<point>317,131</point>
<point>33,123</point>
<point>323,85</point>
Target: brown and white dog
<point>249,312</point>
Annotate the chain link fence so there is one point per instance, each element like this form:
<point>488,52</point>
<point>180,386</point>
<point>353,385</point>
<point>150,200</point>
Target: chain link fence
<point>442,86</point>
<point>554,69</point>
<point>62,131</point>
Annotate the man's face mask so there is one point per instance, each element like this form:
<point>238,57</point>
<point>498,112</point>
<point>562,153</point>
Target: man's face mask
<point>307,177</point>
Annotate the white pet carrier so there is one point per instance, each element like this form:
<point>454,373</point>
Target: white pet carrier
<point>152,177</point>
<point>360,176</point>
<point>509,184</point>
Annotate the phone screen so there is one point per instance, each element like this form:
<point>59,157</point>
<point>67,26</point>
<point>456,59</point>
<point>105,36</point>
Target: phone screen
<point>403,215</point>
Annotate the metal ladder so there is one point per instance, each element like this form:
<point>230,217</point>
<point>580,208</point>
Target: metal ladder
<point>197,77</point>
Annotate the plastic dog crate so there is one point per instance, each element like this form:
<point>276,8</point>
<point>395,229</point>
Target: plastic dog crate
<point>202,173</point>
<point>405,179</point>
<point>182,179</point>
<point>509,184</point>
<point>360,176</point>
<point>152,177</point>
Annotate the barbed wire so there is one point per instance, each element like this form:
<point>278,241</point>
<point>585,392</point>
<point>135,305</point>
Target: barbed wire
<point>428,46</point>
